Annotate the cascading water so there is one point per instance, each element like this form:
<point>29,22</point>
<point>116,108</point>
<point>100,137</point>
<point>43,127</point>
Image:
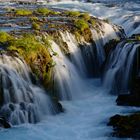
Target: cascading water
<point>76,55</point>
<point>66,76</point>
<point>69,73</point>
<point>117,11</point>
<point>21,101</point>
<point>105,33</point>
<point>118,69</point>
<point>86,118</point>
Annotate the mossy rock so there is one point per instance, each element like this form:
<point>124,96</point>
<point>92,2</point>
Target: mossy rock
<point>126,126</point>
<point>72,13</point>
<point>23,12</point>
<point>5,37</point>
<point>81,24</point>
<point>111,45</point>
<point>85,16</point>
<point>36,26</point>
<point>45,11</point>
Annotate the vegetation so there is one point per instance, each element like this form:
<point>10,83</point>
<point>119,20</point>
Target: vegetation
<point>34,19</point>
<point>23,12</point>
<point>43,11</point>
<point>72,13</point>
<point>35,54</point>
<point>85,16</point>
<point>5,37</point>
<point>36,26</point>
<point>81,24</point>
<point>93,22</point>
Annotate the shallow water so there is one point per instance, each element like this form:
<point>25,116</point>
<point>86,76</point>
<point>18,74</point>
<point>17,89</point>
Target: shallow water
<point>84,119</point>
<point>125,13</point>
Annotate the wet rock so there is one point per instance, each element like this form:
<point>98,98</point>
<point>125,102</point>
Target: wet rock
<point>133,98</point>
<point>126,126</point>
<point>60,107</point>
<point>110,46</point>
<point>4,123</point>
<point>128,100</point>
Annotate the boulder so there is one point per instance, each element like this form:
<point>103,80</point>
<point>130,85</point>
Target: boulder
<point>126,126</point>
<point>4,123</point>
<point>133,98</point>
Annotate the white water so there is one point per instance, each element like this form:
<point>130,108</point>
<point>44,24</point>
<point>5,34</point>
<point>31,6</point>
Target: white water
<point>124,12</point>
<point>118,69</point>
<point>66,77</point>
<point>84,119</point>
<point>23,102</point>
<point>86,116</point>
<point>106,32</point>
<point>70,73</point>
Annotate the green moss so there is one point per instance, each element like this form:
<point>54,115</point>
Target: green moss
<point>36,26</point>
<point>54,12</point>
<point>5,37</point>
<point>73,13</point>
<point>85,16</point>
<point>29,47</point>
<point>34,19</point>
<point>23,12</point>
<point>43,11</point>
<point>77,36</point>
<point>93,22</point>
<point>81,24</point>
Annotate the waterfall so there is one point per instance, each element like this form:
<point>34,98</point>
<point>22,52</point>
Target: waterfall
<point>75,52</point>
<point>21,101</point>
<point>72,70</point>
<point>118,69</point>
<point>66,76</point>
<point>105,33</point>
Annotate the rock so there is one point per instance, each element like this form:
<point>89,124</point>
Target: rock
<point>126,126</point>
<point>60,107</point>
<point>4,123</point>
<point>133,98</point>
<point>128,100</point>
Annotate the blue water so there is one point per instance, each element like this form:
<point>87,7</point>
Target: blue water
<point>86,117</point>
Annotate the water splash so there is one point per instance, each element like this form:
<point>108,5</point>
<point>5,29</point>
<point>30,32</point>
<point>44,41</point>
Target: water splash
<point>21,101</point>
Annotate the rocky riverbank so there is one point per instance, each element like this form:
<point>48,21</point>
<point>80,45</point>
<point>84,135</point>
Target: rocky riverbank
<point>127,126</point>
